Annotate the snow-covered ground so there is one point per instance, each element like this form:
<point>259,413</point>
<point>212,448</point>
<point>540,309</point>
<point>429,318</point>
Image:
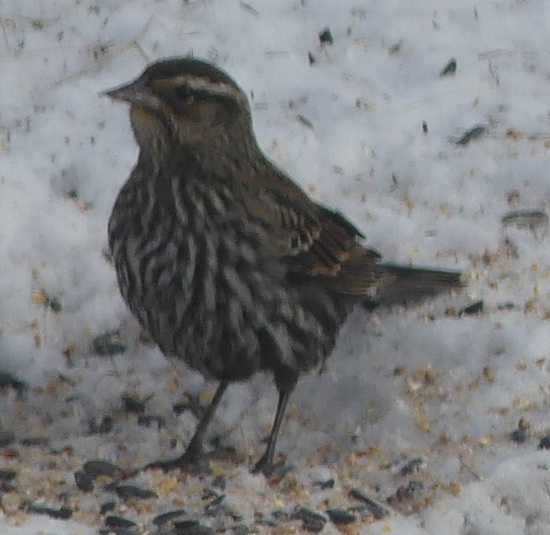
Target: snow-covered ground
<point>366,123</point>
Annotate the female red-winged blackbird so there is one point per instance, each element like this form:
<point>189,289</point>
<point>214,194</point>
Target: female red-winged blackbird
<point>227,263</point>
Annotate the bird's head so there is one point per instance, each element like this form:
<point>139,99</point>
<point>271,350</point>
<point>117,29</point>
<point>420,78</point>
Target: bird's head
<point>187,102</point>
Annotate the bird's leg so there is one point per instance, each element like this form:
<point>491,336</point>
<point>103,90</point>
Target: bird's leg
<point>193,452</point>
<point>265,464</point>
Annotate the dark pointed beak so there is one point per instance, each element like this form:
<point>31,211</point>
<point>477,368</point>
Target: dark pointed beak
<point>135,92</point>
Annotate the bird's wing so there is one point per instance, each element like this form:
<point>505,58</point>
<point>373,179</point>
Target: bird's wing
<point>317,245</point>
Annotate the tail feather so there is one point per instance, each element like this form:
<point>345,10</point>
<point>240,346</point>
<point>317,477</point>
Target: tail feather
<point>406,283</point>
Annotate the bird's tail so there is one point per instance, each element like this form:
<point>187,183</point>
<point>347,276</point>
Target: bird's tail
<point>411,283</point>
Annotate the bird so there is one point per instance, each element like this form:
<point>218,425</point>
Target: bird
<point>227,263</point>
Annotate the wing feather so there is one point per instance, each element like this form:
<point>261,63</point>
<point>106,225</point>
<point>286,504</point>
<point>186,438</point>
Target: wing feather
<point>317,244</point>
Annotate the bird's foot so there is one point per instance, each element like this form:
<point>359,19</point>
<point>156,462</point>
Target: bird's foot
<point>268,468</point>
<point>192,461</point>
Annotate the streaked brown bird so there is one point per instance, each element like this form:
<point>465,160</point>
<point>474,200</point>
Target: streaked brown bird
<point>227,263</point>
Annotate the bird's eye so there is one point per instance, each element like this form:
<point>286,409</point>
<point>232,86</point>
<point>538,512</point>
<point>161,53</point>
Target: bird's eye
<point>184,94</point>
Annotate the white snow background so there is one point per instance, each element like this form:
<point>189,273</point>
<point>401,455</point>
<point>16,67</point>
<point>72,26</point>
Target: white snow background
<point>348,128</point>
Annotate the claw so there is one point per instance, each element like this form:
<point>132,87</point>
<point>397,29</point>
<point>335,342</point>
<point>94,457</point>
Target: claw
<point>189,462</point>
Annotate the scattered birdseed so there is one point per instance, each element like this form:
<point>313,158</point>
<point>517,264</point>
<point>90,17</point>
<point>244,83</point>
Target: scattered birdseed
<point>213,507</point>
<point>506,306</point>
<point>108,344</point>
<point>62,513</point>
<point>327,484</point>
<point>106,507</point>
<point>130,491</point>
<point>396,47</point>
<point>305,121</point>
<point>84,481</point>
<point>518,436</point>
<point>192,527</point>
<point>311,520</point>
<point>521,434</point>
<point>118,522</point>
<point>526,219</point>
<point>169,516</point>
<point>132,405</point>
<point>41,297</point>
<point>449,69</point>
<point>413,466</point>
<point>474,308</point>
<point>377,509</point>
<point>341,516</point>
<point>409,491</point>
<point>474,133</point>
<point>325,37</point>
<point>102,468</point>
